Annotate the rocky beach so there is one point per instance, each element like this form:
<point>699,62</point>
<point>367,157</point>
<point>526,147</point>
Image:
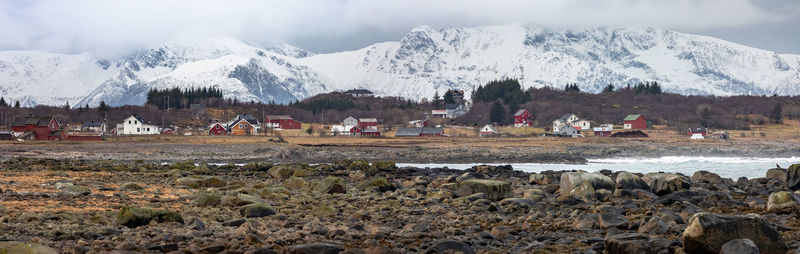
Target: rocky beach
<point>359,206</point>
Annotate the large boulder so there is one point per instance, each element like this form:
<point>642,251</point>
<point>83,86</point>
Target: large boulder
<point>25,248</point>
<point>793,177</point>
<point>707,232</point>
<point>630,181</point>
<point>572,180</point>
<point>256,210</point>
<point>739,246</point>
<point>665,183</point>
<point>331,185</point>
<point>136,216</point>
<point>495,190</point>
<point>777,174</point>
<point>635,243</point>
<point>706,177</point>
<point>378,183</point>
<point>783,201</point>
<point>283,171</point>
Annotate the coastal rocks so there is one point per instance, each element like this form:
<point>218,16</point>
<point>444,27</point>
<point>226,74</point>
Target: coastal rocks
<point>494,190</point>
<point>739,246</point>
<point>283,171</point>
<point>572,180</point>
<point>783,202</point>
<point>256,210</point>
<point>664,183</point>
<point>612,220</point>
<point>706,177</point>
<point>131,187</point>
<point>706,233</point>
<point>630,181</point>
<point>779,174</point>
<point>315,248</point>
<point>135,216</point>
<point>331,185</point>
<point>190,182</point>
<point>450,246</point>
<point>635,243</point>
<point>25,248</point>
<point>534,194</point>
<point>207,198</point>
<point>214,182</point>
<point>540,179</point>
<point>793,177</point>
<point>74,191</point>
<point>378,183</point>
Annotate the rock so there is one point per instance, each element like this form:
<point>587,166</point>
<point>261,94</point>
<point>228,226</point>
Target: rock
<point>501,231</point>
<point>586,222</point>
<point>793,177</point>
<point>190,182</point>
<point>612,220</point>
<point>378,183</point>
<point>256,210</point>
<point>295,183</point>
<point>630,181</point>
<point>25,248</point>
<point>654,226</point>
<point>440,195</point>
<point>779,174</point>
<point>127,245</point>
<point>494,190</point>
<point>706,233</point>
<point>384,165</point>
<point>213,181</point>
<point>357,175</point>
<point>706,177</point>
<point>207,198</point>
<point>739,246</point>
<point>540,179</point>
<point>324,211</point>
<point>534,194</point>
<point>244,199</point>
<point>131,187</point>
<point>635,243</point>
<point>783,202</point>
<point>213,249</point>
<point>450,246</point>
<point>257,166</point>
<point>74,191</point>
<point>58,173</point>
<point>315,248</point>
<point>61,185</point>
<point>234,222</point>
<point>136,216</point>
<point>283,171</point>
<point>572,180</point>
<point>519,202</point>
<point>331,185</point>
<point>663,183</point>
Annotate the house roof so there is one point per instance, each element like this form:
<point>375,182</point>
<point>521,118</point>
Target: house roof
<point>358,91</point>
<point>138,118</point>
<point>279,117</point>
<point>520,112</point>
<point>39,121</point>
<point>632,117</point>
<point>250,119</point>
<point>408,131</point>
<point>701,129</point>
<point>431,130</point>
<point>565,117</point>
<point>92,124</point>
<point>368,120</point>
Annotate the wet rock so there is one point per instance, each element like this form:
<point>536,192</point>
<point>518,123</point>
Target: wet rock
<point>572,180</point>
<point>706,177</point>
<point>706,233</point>
<point>315,248</point>
<point>779,174</point>
<point>25,248</point>
<point>739,246</point>
<point>378,183</point>
<point>630,181</point>
<point>450,246</point>
<point>494,190</point>
<point>635,243</point>
<point>663,183</point>
<point>256,210</point>
<point>136,216</point>
<point>213,249</point>
<point>793,177</point>
<point>257,166</point>
<point>331,185</point>
<point>74,191</point>
<point>783,202</point>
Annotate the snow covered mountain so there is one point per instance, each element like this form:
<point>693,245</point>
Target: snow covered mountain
<point>424,61</point>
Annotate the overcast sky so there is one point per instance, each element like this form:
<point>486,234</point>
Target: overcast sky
<point>117,27</point>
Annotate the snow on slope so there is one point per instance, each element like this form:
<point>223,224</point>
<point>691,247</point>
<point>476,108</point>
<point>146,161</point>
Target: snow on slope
<point>423,61</point>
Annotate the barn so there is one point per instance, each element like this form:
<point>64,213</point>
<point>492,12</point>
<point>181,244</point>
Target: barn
<point>284,122</point>
<point>217,129</point>
<point>635,122</point>
<point>523,118</point>
<point>37,128</point>
<point>368,123</point>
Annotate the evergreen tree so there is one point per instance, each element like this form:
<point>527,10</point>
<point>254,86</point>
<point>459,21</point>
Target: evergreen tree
<point>17,105</point>
<point>497,113</point>
<point>777,114</point>
<point>3,102</point>
<point>448,96</point>
<point>609,89</point>
<point>102,107</point>
<point>436,98</point>
<point>66,106</point>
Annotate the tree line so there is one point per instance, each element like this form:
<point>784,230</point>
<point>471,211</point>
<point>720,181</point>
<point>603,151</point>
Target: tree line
<point>181,98</point>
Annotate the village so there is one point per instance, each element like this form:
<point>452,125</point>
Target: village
<point>525,124</point>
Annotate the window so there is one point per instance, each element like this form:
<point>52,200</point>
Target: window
<point>135,122</point>
<point>148,129</point>
<point>138,130</point>
<point>129,122</point>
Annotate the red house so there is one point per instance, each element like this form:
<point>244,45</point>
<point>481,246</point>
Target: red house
<point>366,123</point>
<point>358,131</point>
<point>701,131</point>
<point>523,118</point>
<point>634,122</point>
<point>282,122</point>
<point>217,129</point>
<point>37,128</point>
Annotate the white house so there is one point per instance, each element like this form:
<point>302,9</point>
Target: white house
<point>350,121</point>
<point>568,118</point>
<point>585,125</point>
<point>488,130</point>
<point>134,125</point>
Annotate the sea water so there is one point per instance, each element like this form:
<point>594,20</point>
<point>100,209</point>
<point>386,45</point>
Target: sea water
<point>728,167</point>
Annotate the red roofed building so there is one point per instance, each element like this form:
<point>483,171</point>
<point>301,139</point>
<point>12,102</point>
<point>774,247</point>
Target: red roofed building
<point>368,123</point>
<point>282,122</point>
<point>37,128</point>
<point>523,118</point>
<point>217,129</point>
<point>635,122</point>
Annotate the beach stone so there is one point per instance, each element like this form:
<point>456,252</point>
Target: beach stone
<point>654,226</point>
<point>207,198</point>
<point>612,220</point>
<point>283,171</point>
<point>256,210</point>
<point>315,248</point>
<point>244,199</point>
<point>136,216</point>
<point>257,166</point>
<point>74,191</point>
<point>501,231</point>
<point>440,195</point>
<point>190,182</point>
<point>384,165</point>
<point>379,183</point>
<point>707,232</point>
<point>534,194</point>
<point>234,222</point>
<point>630,181</point>
<point>131,187</point>
<point>665,183</point>
<point>295,182</point>
<point>739,246</point>
<point>779,174</point>
<point>635,243</point>
<point>540,179</point>
<point>572,180</point>
<point>793,177</point>
<point>331,185</point>
<point>25,248</point>
<point>783,201</point>
<point>324,211</point>
<point>213,181</point>
<point>61,185</point>
<point>706,177</point>
<point>450,246</point>
<point>495,190</point>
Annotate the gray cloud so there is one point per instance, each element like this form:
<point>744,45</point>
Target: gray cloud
<point>117,27</point>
